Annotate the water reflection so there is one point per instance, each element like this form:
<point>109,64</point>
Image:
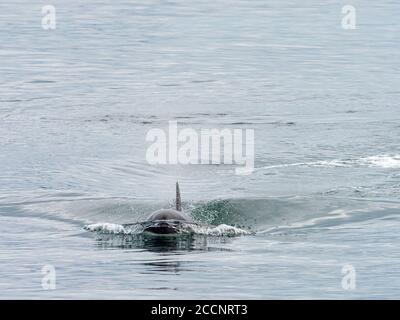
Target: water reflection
<point>170,249</point>
<point>175,244</point>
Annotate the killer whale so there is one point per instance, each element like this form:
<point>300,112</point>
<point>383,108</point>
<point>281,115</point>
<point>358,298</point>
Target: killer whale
<point>167,221</point>
<point>164,222</point>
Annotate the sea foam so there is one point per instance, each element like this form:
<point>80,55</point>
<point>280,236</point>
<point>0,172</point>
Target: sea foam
<point>222,230</point>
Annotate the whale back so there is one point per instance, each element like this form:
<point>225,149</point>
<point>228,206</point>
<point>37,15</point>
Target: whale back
<point>168,214</point>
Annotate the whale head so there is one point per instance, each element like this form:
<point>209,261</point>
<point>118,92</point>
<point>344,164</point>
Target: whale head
<point>166,221</point>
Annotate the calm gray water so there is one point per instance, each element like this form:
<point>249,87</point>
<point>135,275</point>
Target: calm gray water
<point>76,104</point>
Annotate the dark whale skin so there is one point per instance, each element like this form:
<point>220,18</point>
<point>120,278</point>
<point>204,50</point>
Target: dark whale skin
<point>161,228</point>
<point>164,221</point>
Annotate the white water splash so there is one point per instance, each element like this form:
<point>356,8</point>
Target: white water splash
<point>383,161</point>
<point>109,228</point>
<point>222,230</point>
<point>380,161</point>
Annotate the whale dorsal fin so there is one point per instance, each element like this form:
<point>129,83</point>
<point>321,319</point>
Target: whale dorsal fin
<point>178,202</point>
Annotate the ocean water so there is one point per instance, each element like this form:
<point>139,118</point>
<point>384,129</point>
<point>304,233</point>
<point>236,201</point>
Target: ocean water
<point>77,102</point>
